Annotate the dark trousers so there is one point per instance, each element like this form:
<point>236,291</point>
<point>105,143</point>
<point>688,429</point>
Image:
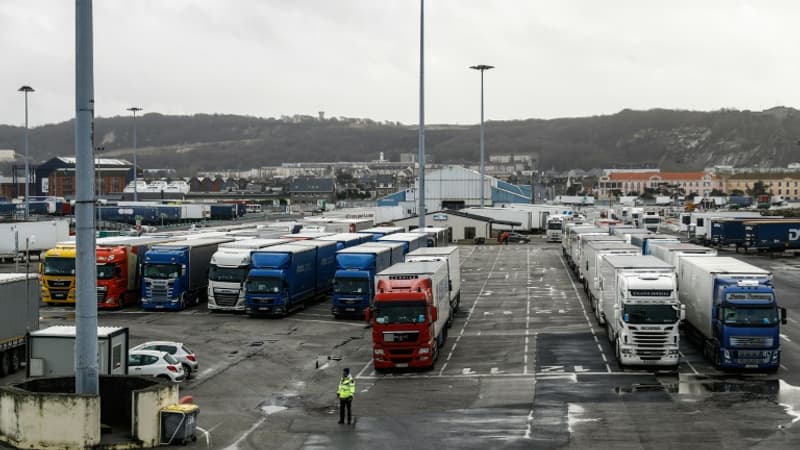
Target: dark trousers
<point>345,403</point>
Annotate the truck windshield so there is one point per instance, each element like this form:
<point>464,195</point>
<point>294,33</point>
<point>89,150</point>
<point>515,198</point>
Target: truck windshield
<point>164,271</point>
<point>554,226</point>
<point>229,274</point>
<point>105,271</point>
<point>652,220</point>
<point>750,316</point>
<point>400,312</point>
<point>59,266</point>
<point>650,314</point>
<point>263,285</point>
<point>351,286</point>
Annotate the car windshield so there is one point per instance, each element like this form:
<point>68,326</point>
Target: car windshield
<point>750,316</point>
<point>400,312</point>
<point>351,286</point>
<point>650,314</point>
<point>165,271</point>
<point>59,266</point>
<point>263,285</point>
<point>227,274</point>
<point>105,271</point>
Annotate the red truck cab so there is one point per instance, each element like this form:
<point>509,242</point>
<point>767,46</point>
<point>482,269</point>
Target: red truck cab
<point>113,278</point>
<point>403,321</point>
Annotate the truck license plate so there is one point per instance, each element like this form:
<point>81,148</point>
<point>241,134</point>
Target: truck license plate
<point>263,308</point>
<point>401,365</point>
<point>350,309</point>
<point>751,366</point>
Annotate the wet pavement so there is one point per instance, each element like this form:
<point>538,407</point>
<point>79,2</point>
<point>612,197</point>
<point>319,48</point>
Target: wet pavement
<point>525,366</point>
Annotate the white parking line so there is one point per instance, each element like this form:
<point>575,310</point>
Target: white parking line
<point>785,338</point>
<point>580,302</point>
<point>689,364</point>
<point>527,311</point>
<point>472,310</point>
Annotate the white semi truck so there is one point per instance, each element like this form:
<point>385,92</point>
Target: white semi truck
<point>641,310</point>
<point>228,271</point>
<point>580,254</point>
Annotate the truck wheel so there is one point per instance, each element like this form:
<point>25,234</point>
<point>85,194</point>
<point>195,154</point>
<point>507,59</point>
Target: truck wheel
<point>183,300</point>
<point>5,364</point>
<point>15,360</point>
<point>617,352</point>
<point>609,333</point>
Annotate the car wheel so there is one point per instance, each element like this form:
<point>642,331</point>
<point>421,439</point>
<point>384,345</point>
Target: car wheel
<point>164,377</point>
<point>188,370</point>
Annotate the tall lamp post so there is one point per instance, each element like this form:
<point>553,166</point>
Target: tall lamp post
<point>482,68</point>
<point>421,191</point>
<point>26,90</point>
<point>134,110</point>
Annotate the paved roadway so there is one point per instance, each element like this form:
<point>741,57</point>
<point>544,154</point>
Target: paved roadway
<point>525,366</point>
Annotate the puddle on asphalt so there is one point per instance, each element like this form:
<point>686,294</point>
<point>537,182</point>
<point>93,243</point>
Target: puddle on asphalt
<point>789,398</point>
<point>709,384</point>
<point>272,409</point>
<point>575,416</point>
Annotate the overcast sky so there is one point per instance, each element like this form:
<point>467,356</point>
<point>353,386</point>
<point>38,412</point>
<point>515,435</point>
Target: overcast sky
<point>359,58</point>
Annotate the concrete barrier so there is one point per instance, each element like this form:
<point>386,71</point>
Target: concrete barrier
<point>45,413</point>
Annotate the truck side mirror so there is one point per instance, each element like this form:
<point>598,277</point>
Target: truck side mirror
<point>683,313</point>
<point>783,316</point>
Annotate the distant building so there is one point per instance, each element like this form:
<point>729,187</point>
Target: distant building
<point>310,193</point>
<point>638,182</point>
<point>785,184</point>
<point>7,155</point>
<point>56,177</point>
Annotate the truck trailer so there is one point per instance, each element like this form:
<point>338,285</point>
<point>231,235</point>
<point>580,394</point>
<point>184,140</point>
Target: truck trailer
<point>641,310</point>
<point>451,256</point>
<point>280,280</point>
<point>354,281</point>
<point>579,256</point>
<point>643,241</point>
<point>593,255</point>
<point>732,308</point>
<point>773,235</point>
<point>411,240</point>
<point>325,255</point>
<point>228,272</point>
<point>176,274</point>
<point>397,249</point>
<point>672,253</point>
<point>410,315</point>
<point>19,303</point>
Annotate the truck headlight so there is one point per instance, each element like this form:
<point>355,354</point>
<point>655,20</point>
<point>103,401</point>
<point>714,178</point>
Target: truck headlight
<point>378,351</point>
<point>726,354</point>
<point>424,351</point>
<point>776,354</point>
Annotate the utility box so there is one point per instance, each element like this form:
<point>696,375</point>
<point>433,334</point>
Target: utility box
<point>51,351</point>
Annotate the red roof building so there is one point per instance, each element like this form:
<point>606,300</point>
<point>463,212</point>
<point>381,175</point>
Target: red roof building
<point>701,183</point>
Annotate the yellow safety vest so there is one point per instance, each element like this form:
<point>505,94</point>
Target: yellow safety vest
<point>347,387</point>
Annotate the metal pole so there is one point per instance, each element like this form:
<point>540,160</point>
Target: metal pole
<point>134,109</point>
<point>482,68</point>
<point>483,166</point>
<point>86,364</point>
<point>421,157</point>
<point>26,90</point>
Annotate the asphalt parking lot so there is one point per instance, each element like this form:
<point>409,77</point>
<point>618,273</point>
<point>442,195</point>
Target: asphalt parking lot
<point>524,366</point>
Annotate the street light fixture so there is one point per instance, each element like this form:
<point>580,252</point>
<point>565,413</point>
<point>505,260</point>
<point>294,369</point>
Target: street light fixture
<point>482,68</point>
<point>26,90</point>
<point>134,110</point>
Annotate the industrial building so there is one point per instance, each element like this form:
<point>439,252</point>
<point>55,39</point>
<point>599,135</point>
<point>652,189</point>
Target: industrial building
<point>464,226</point>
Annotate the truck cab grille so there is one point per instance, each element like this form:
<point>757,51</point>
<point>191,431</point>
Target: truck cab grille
<point>225,298</point>
<point>752,341</point>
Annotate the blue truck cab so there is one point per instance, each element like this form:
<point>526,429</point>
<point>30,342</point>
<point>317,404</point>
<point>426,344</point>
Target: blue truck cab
<point>747,324</point>
<point>280,279</point>
<point>175,275</point>
<point>354,281</point>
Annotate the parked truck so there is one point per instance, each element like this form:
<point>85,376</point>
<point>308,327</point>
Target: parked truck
<point>119,267</point>
<point>641,310</point>
<point>773,235</point>
<point>354,281</point>
<point>31,237</point>
<point>228,272</point>
<point>346,240</point>
<point>175,275</point>
<point>58,275</point>
<point>644,241</point>
<point>573,255</point>
<point>554,228</point>
<point>379,232</point>
<point>19,303</point>
<point>411,240</point>
<point>410,315</point>
<point>451,257</point>
<point>593,257</point>
<point>281,279</point>
<point>397,249</point>
<point>672,253</point>
<point>325,256</point>
<point>579,255</point>
<point>732,308</point>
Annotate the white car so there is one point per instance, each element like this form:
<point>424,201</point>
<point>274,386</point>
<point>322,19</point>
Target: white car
<point>177,350</point>
<point>155,363</point>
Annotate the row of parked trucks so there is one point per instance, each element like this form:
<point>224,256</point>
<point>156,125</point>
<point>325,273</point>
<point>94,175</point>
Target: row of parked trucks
<point>742,230</point>
<point>642,286</point>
